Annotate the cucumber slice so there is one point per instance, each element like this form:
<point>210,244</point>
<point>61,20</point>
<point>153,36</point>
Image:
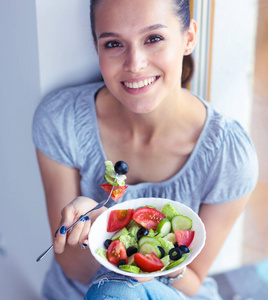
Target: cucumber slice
<point>131,261</point>
<point>148,239</point>
<point>171,237</point>
<point>147,248</point>
<point>110,180</point>
<point>169,211</point>
<point>181,222</point>
<point>119,180</point>
<point>175,263</point>
<point>164,227</point>
<point>131,269</point>
<point>120,232</point>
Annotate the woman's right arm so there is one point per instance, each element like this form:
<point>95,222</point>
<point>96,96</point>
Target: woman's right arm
<point>62,185</point>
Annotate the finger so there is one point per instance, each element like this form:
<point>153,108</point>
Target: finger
<point>61,233</point>
<point>143,279</point>
<point>84,234</point>
<point>73,237</point>
<point>60,240</point>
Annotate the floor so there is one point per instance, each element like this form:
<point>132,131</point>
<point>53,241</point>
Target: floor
<point>249,282</point>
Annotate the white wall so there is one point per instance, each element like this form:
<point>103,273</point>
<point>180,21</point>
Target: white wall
<point>233,58</point>
<point>66,53</point>
<point>47,45</point>
<point>44,46</point>
<point>22,216</point>
<point>232,88</point>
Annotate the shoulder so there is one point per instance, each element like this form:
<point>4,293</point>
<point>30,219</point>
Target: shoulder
<point>223,131</point>
<point>62,123</point>
<point>231,159</point>
<point>68,99</point>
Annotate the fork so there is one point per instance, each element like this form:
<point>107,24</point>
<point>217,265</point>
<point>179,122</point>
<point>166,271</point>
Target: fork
<point>102,203</point>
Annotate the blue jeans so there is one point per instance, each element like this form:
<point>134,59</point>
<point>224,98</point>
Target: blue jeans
<point>112,286</point>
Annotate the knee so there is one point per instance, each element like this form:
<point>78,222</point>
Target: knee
<point>116,288</point>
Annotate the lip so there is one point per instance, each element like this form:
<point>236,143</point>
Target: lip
<point>141,90</point>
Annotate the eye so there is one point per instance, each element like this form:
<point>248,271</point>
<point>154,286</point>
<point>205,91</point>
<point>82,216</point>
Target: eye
<point>154,39</point>
<point>113,44</point>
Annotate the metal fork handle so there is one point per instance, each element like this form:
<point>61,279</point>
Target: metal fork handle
<point>81,217</point>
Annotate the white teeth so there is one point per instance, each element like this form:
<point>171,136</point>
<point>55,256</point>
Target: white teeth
<point>140,84</point>
<point>135,85</point>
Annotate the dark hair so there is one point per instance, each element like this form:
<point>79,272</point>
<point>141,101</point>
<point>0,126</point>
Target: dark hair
<point>182,11</point>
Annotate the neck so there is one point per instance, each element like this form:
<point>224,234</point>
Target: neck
<point>172,114</point>
<point>167,116</point>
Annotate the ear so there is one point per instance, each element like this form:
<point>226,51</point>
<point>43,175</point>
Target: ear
<point>94,41</point>
<point>96,47</point>
<point>190,38</point>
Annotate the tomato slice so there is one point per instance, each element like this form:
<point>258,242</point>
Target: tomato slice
<point>148,262</point>
<point>148,217</point>
<point>184,237</point>
<point>115,252</point>
<point>119,218</point>
<point>117,192</point>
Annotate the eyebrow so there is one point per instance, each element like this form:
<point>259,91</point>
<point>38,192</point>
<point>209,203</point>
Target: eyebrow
<point>144,30</point>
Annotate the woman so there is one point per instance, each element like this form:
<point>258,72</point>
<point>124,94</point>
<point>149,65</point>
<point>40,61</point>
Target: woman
<point>177,146</point>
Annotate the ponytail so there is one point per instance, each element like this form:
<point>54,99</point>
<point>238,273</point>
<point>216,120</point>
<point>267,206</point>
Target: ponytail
<point>187,70</point>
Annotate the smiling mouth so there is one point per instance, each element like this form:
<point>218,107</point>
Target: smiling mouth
<point>141,83</point>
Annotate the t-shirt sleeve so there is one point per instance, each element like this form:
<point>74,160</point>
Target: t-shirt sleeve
<point>234,169</point>
<point>53,129</point>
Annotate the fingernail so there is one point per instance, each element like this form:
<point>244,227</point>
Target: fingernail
<point>83,219</point>
<point>56,232</point>
<point>87,218</point>
<point>63,230</point>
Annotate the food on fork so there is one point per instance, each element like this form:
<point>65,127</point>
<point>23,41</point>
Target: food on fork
<point>115,176</point>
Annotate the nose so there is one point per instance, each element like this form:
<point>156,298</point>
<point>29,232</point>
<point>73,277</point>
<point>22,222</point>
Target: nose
<point>135,60</point>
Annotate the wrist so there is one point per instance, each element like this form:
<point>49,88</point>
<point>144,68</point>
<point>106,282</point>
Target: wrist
<point>169,280</point>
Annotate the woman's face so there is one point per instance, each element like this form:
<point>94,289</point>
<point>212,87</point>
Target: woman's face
<point>140,46</point>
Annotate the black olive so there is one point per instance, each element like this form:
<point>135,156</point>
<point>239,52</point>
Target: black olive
<point>121,262</point>
<point>175,253</point>
<point>176,245</point>
<point>121,168</point>
<point>142,232</point>
<point>162,251</point>
<point>107,243</point>
<point>131,250</point>
<point>184,249</point>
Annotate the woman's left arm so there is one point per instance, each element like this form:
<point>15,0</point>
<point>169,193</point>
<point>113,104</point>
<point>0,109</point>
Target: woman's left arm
<point>218,219</point>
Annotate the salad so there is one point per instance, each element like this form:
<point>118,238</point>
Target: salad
<point>147,240</point>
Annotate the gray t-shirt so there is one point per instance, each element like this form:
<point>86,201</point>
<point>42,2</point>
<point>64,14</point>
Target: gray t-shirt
<point>222,167</point>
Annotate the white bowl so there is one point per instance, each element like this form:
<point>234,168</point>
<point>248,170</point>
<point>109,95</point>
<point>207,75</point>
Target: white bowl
<point>98,233</point>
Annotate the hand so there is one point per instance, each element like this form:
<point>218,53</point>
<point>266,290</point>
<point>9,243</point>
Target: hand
<point>78,235</point>
<point>143,279</point>
<point>176,273</point>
